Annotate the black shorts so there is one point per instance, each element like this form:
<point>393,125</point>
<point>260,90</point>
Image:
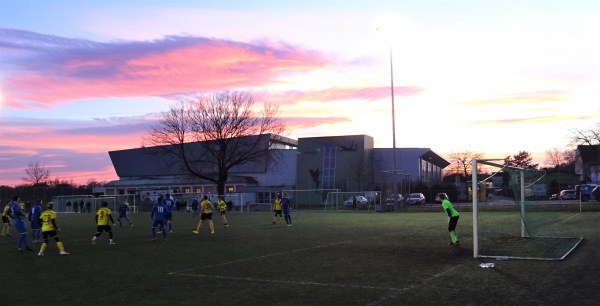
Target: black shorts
<point>452,223</point>
<point>278,211</point>
<point>222,213</point>
<point>49,234</point>
<point>103,228</point>
<point>5,219</point>
<point>206,216</point>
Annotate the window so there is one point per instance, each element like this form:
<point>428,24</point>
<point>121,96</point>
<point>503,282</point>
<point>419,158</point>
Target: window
<point>266,197</point>
<point>329,167</point>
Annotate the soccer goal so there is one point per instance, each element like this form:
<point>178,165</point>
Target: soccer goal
<point>354,200</point>
<point>71,203</point>
<point>114,201</point>
<point>309,199</point>
<point>514,222</point>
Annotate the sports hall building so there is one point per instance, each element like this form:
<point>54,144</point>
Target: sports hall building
<point>345,163</point>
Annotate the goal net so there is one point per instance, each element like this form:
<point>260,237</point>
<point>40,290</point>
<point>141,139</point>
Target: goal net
<point>513,221</point>
<point>72,203</point>
<point>114,201</point>
<point>355,200</point>
<point>309,199</point>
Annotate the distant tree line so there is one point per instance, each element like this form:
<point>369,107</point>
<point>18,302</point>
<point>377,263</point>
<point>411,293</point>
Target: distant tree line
<point>39,186</point>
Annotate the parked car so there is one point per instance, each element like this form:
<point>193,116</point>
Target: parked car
<point>596,193</point>
<point>358,200</point>
<point>554,196</point>
<point>415,199</point>
<point>584,191</point>
<point>394,198</point>
<point>438,199</point>
<point>567,194</point>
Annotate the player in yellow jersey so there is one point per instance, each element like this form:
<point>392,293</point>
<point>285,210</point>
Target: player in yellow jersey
<point>6,221</point>
<point>22,205</point>
<point>49,229</point>
<point>222,207</point>
<point>206,208</point>
<point>102,217</point>
<point>277,209</point>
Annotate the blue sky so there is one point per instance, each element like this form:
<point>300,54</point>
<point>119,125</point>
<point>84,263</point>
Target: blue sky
<point>81,78</point>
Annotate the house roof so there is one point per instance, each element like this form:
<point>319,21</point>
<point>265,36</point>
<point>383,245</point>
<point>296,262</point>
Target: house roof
<point>408,154</point>
<point>154,161</point>
<point>589,154</point>
<point>174,181</point>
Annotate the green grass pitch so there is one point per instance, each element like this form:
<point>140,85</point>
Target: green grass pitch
<point>354,258</point>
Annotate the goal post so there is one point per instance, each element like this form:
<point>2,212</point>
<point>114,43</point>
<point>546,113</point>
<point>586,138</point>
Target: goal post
<point>309,199</point>
<point>517,223</point>
<point>354,200</point>
<point>71,203</point>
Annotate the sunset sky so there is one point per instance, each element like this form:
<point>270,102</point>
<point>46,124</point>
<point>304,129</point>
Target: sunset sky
<point>81,78</point>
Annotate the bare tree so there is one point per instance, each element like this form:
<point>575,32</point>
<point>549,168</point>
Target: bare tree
<point>570,157</point>
<point>36,174</point>
<point>554,157</point>
<point>587,137</point>
<point>229,129</point>
<point>463,161</point>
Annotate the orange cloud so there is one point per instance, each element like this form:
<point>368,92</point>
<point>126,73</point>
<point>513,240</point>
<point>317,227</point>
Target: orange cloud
<point>532,98</point>
<point>351,93</point>
<point>532,120</point>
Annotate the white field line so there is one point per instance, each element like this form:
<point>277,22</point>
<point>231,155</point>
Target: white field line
<point>398,292</point>
<point>268,255</point>
<point>394,291</point>
<point>251,279</point>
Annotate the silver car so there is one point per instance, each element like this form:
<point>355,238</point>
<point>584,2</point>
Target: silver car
<point>358,200</point>
<point>415,199</point>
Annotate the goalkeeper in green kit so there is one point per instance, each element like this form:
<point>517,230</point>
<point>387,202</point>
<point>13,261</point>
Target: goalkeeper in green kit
<point>452,219</point>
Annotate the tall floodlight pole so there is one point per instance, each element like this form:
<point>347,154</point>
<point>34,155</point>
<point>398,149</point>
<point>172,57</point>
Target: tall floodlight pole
<point>395,174</point>
<point>393,109</point>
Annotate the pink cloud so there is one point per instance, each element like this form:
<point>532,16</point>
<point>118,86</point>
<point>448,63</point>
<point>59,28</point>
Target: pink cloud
<point>45,70</point>
<point>31,137</point>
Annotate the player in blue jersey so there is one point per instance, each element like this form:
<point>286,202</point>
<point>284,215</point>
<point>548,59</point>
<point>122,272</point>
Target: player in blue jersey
<point>18,217</point>
<point>169,204</point>
<point>159,217</point>
<point>124,213</point>
<point>36,223</point>
<point>195,206</point>
<point>286,206</point>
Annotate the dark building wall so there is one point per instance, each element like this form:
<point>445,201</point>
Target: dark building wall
<point>336,162</point>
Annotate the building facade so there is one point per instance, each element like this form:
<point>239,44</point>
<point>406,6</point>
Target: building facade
<point>345,163</point>
<point>587,164</point>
